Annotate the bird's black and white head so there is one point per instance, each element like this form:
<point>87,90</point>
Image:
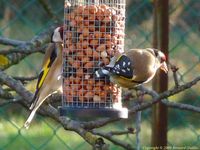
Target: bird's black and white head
<point>160,56</point>
<point>57,35</point>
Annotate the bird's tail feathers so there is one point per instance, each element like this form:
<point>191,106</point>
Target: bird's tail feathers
<point>31,107</point>
<point>34,107</point>
<point>30,118</point>
<point>34,101</point>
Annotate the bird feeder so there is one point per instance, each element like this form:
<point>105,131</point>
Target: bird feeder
<point>93,34</point>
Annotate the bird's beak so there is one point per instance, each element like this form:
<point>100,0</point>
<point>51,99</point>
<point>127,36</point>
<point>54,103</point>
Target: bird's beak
<point>164,67</point>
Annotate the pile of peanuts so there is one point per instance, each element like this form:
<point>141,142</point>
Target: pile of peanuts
<point>94,34</point>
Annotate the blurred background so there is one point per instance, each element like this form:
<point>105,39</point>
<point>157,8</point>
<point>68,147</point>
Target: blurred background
<point>23,19</point>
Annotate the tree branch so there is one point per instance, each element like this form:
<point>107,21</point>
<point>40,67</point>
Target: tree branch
<point>175,76</point>
<point>23,49</point>
<point>11,42</point>
<point>181,106</point>
<point>155,99</point>
<point>69,124</point>
<point>5,95</point>
<point>128,131</point>
<point>47,110</point>
<point>113,140</point>
<point>23,79</point>
<point>164,94</point>
<point>83,129</point>
<point>15,85</point>
<point>14,58</point>
<point>43,37</point>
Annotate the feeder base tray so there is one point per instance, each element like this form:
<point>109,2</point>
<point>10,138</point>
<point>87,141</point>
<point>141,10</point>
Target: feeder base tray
<point>84,114</point>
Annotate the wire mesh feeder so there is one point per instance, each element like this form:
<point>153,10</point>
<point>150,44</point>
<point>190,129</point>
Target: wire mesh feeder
<point>93,33</point>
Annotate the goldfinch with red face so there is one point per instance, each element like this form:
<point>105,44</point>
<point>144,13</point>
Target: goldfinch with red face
<point>49,80</point>
<point>134,67</point>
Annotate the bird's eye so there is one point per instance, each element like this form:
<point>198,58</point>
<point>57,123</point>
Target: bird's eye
<point>156,53</point>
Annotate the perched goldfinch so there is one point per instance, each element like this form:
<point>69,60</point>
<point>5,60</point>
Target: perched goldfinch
<point>49,80</point>
<point>134,67</point>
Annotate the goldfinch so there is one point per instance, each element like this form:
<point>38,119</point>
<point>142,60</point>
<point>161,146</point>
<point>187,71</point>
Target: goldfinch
<point>49,80</point>
<point>134,67</point>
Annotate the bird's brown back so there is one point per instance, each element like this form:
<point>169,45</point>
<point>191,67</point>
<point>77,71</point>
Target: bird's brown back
<point>143,63</point>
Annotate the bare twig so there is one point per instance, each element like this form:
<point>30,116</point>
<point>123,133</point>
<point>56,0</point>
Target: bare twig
<point>113,140</point>
<point>140,96</point>
<point>83,129</point>
<point>5,95</point>
<point>16,85</point>
<point>174,70</point>
<point>138,128</point>
<point>11,42</point>
<point>155,99</point>
<point>44,37</point>
<point>176,105</point>
<point>47,110</point>
<point>164,95</point>
<point>181,106</point>
<point>23,50</point>
<point>25,79</point>
<point>14,58</point>
<point>128,131</point>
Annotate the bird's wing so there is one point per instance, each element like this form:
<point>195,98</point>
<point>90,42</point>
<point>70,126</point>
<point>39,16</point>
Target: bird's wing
<point>48,53</point>
<point>123,67</point>
<point>49,58</point>
<point>119,65</point>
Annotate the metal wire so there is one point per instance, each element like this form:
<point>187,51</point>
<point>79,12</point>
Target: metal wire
<point>93,34</point>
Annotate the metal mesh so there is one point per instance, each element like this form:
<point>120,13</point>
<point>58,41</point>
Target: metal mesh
<point>28,18</point>
<point>94,32</point>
